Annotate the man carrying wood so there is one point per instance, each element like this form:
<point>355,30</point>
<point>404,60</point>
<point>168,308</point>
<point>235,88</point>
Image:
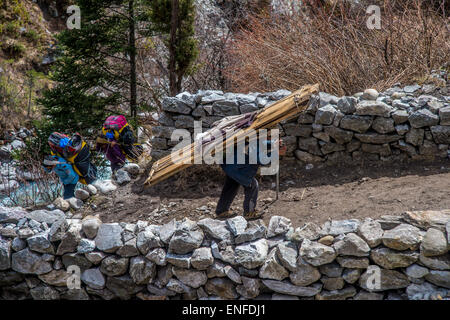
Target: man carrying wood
<point>242,175</point>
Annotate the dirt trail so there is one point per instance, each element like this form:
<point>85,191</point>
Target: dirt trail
<point>305,195</point>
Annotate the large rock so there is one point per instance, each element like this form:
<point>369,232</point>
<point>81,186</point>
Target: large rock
<point>28,262</point>
<point>49,217</point>
<point>287,254</point>
<point>353,262</point>
<point>253,232</point>
<point>309,231</point>
<point>337,227</point>
<point>192,278</point>
<point>383,125</point>
<point>316,253</point>
<point>237,225</point>
<point>252,255</point>
<point>122,177</point>
<point>142,271</point>
<point>187,237</point>
<point>373,108</point>
<point>202,258</point>
<point>347,105</point>
<point>11,215</point>
<point>215,229</point>
<point>221,287</point>
<point>86,246</point>
<point>123,287</point>
<point>82,194</point>
<point>439,278</point>
<point>434,243</point>
<point>376,138</point>
<point>438,262</point>
<point>61,204</point>
<point>402,237</point>
<point>42,292</point>
<point>325,115</point>
<point>428,218</point>
<point>90,226</point>
<point>40,243</point>
<point>416,271</point>
<point>391,259</point>
<point>57,278</point>
<point>341,136</point>
<point>278,225</point>
<point>109,237</point>
<point>114,266</point>
<point>423,118</point>
<point>441,134</point>
<point>423,291</point>
<point>376,279</point>
<point>147,240</point>
<point>70,240</point>
<point>173,104</point>
<point>104,186</point>
<point>250,288</point>
<point>179,260</point>
<point>5,254</point>
<point>337,294</point>
<point>272,268</point>
<point>74,259</point>
<point>285,287</point>
<point>93,278</point>
<point>129,249</point>
<point>371,232</point>
<point>304,274</point>
<point>352,245</point>
<point>157,256</point>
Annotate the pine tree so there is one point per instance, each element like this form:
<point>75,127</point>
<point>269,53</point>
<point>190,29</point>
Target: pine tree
<point>175,19</point>
<point>96,72</point>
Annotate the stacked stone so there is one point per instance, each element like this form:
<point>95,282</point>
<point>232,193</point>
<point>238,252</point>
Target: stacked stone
<point>396,125</point>
<point>212,259</point>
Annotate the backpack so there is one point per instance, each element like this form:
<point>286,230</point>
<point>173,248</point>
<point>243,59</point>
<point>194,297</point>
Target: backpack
<point>115,124</point>
<point>71,148</point>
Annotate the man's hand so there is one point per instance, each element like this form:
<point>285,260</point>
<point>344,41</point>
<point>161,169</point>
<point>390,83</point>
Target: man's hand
<point>113,143</point>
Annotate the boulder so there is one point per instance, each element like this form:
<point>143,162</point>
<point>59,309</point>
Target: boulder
<point>304,273</point>
<point>434,243</point>
<point>285,287</point>
<point>375,279</point>
<point>12,215</point>
<point>49,217</point>
<point>250,288</point>
<point>147,240</point>
<point>86,246</point>
<point>109,237</point>
<point>237,225</point>
<point>129,249</point>
<point>157,256</point>
<point>371,232</point>
<point>75,259</point>
<point>337,227</point>
<point>423,118</point>
<point>287,254</point>
<point>122,177</point>
<point>202,258</point>
<point>61,204</point>
<point>416,271</point>
<point>95,257</point>
<point>142,271</point>
<point>337,294</point>
<point>40,243</point>
<point>123,287</point>
<point>278,225</point>
<point>104,186</point>
<point>187,237</point>
<point>402,237</point>
<point>82,194</point>
<point>215,229</point>
<point>316,253</point>
<point>252,255</point>
<point>325,115</point>
<point>272,268</point>
<point>93,278</point>
<point>383,125</point>
<point>439,278</point>
<point>182,261</point>
<point>192,278</point>
<point>353,262</point>
<point>391,259</point>
<point>373,108</point>
<point>428,218</point>
<point>370,94</point>
<point>28,262</point>
<point>221,287</point>
<point>90,226</point>
<point>437,262</point>
<point>114,266</point>
<point>351,275</point>
<point>5,254</point>
<point>57,278</point>
<point>70,240</point>
<point>352,245</point>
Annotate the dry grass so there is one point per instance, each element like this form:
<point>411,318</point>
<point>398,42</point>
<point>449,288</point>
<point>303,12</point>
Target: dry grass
<point>334,47</point>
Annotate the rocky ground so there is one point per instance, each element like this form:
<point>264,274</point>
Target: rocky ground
<point>317,194</point>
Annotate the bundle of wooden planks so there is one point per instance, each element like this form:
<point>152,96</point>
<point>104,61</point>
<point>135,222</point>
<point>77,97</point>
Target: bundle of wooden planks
<point>265,118</point>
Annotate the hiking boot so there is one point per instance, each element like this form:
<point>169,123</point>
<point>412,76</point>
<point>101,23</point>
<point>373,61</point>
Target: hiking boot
<point>253,215</point>
<point>225,215</point>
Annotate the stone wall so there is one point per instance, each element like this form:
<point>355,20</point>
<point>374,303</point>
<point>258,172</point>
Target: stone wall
<point>399,124</point>
<point>395,257</point>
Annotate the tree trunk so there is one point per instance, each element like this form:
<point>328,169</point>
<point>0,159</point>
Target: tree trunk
<point>132,53</point>
<point>173,81</point>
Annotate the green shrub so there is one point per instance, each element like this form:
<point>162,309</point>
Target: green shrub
<point>33,36</point>
<point>14,49</point>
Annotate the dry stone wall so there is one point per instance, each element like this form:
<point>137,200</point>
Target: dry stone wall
<point>42,254</point>
<point>400,124</point>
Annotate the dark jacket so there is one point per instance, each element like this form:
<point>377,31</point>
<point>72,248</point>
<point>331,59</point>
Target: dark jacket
<point>245,172</point>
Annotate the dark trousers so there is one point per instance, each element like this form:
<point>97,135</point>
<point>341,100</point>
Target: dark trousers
<point>69,191</point>
<point>229,191</point>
